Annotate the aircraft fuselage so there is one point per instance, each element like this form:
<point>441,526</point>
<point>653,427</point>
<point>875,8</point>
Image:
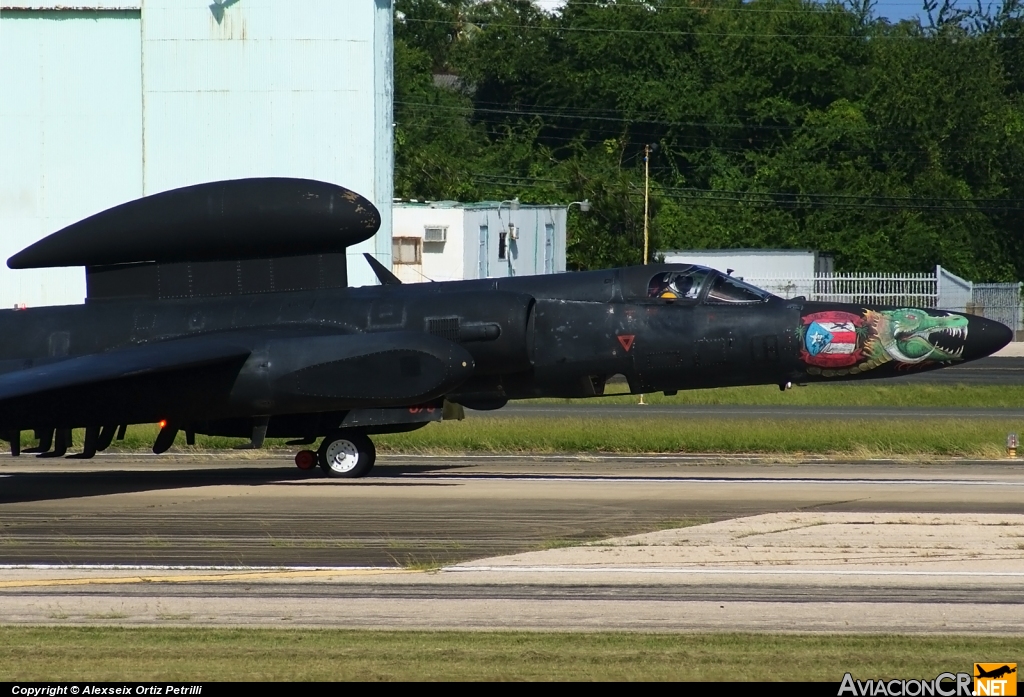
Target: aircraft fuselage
<point>478,343</point>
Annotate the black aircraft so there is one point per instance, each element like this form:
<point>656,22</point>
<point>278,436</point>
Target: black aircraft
<point>224,309</point>
<point>995,673</point>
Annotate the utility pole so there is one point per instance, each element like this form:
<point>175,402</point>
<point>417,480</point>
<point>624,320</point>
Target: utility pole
<point>647,206</point>
<point>647,200</point>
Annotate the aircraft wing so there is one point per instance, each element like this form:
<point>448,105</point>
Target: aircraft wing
<point>129,362</point>
<point>203,376</point>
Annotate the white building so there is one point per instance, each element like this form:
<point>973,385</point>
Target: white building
<point>104,101</point>
<point>449,241</point>
<point>755,263</point>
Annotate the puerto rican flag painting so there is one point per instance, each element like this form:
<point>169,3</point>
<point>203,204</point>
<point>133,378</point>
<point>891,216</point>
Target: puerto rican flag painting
<point>830,339</point>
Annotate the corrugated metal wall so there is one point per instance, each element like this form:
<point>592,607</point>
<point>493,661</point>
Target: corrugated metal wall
<point>270,88</point>
<point>98,107</point>
<point>539,249</point>
<point>70,133</point>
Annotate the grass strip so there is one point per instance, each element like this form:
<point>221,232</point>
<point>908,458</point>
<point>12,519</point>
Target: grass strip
<point>171,654</point>
<point>666,434</point>
<point>850,394</point>
<point>855,437</point>
<point>971,438</point>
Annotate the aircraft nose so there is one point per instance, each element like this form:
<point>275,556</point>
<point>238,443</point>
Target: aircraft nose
<point>984,337</point>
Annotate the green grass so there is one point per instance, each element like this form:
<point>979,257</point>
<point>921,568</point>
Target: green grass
<point>115,654</point>
<point>855,394</point>
<point>860,436</point>
<point>941,437</point>
<point>857,437</point>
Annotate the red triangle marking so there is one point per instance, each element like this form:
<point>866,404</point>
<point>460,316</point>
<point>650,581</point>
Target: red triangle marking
<point>626,340</point>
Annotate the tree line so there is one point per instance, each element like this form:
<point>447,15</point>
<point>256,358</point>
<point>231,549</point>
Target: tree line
<point>770,123</point>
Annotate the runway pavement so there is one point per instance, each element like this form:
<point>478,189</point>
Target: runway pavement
<point>432,510</point>
<point>985,371</point>
<point>427,542</point>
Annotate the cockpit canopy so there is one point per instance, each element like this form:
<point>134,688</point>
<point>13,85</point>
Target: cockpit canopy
<point>689,284</point>
<point>678,285</point>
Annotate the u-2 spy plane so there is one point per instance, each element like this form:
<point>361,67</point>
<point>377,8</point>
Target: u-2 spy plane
<point>224,309</point>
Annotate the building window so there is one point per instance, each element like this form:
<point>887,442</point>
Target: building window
<point>406,250</point>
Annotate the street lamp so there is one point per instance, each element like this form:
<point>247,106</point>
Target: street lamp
<point>505,238</point>
<point>513,205</point>
<point>584,205</point>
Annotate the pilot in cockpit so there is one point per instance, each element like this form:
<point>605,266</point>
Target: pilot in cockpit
<point>677,285</point>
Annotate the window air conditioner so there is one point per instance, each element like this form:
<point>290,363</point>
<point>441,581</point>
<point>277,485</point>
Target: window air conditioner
<point>435,234</point>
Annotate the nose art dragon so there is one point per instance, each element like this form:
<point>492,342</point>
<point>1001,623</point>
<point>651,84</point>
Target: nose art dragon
<point>911,337</point>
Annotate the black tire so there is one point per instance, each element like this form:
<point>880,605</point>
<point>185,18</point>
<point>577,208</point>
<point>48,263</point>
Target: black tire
<point>346,455</point>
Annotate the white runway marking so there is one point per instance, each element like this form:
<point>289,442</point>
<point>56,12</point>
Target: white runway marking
<point>707,480</point>
<point>160,567</point>
<point>741,572</point>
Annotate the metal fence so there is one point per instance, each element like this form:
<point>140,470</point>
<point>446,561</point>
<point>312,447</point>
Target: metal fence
<point>942,290</point>
<point>998,301</point>
<point>914,290</point>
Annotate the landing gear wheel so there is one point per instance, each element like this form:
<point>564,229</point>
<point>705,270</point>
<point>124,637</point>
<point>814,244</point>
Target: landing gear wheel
<point>305,459</point>
<point>346,454</point>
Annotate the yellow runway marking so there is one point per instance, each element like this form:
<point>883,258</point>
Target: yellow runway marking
<point>229,576</point>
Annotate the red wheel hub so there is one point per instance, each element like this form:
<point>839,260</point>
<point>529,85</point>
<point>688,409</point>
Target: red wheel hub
<point>305,459</point>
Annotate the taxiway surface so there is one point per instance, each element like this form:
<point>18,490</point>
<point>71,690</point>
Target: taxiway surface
<point>454,543</point>
<point>994,370</point>
<point>426,510</point>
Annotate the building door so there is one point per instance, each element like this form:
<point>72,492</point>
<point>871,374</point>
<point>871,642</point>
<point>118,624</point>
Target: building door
<point>484,268</point>
<point>549,248</point>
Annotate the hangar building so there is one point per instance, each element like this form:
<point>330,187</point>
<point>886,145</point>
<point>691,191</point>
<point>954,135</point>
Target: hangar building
<point>104,101</point>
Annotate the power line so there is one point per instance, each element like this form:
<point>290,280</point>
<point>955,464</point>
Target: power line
<point>660,32</point>
<point>581,114</point>
<point>808,7</point>
<point>791,199</point>
<point>641,118</point>
<point>571,110</point>
<point>697,143</point>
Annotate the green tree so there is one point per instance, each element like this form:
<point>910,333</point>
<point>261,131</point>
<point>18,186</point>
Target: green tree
<point>779,123</point>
